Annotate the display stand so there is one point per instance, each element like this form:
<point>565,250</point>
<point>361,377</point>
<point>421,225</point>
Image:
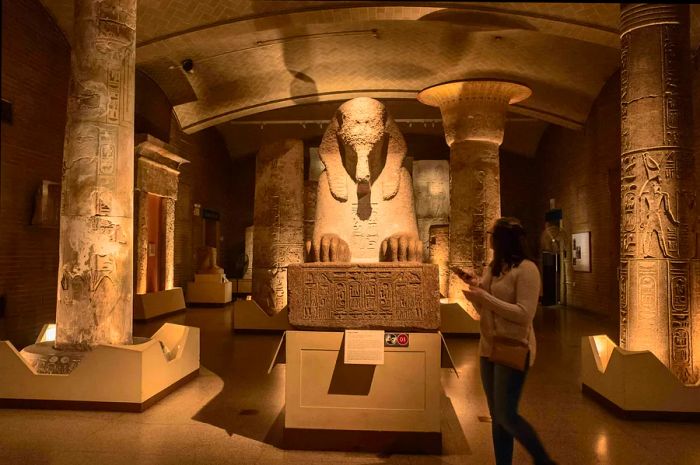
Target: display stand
<point>248,316</point>
<point>393,407</point>
<point>244,286</point>
<point>635,383</point>
<point>455,320</point>
<point>209,289</point>
<point>153,304</point>
<point>109,377</point>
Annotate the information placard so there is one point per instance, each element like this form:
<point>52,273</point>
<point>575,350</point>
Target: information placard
<point>364,347</point>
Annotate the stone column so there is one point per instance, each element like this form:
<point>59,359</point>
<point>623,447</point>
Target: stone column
<point>310,191</point>
<point>168,222</point>
<point>431,190</point>
<point>249,238</point>
<point>473,114</point>
<point>439,254</point>
<point>94,298</point>
<point>659,266</point>
<point>142,243</point>
<point>278,217</point>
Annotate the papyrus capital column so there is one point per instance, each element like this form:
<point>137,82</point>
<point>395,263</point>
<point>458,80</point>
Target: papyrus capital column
<point>94,298</point>
<point>659,268</point>
<point>474,115</point>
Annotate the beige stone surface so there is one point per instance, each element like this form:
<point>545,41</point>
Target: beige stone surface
<point>95,287</point>
<point>659,290</point>
<point>364,295</point>
<point>431,190</point>
<point>207,261</point>
<point>364,209</point>
<point>473,114</point>
<point>279,220</point>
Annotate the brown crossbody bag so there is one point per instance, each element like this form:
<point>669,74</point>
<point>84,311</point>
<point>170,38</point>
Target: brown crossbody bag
<point>509,352</point>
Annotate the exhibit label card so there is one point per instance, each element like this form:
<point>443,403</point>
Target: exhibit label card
<point>364,347</point>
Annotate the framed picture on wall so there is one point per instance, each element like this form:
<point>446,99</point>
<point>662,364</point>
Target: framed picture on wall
<point>581,251</point>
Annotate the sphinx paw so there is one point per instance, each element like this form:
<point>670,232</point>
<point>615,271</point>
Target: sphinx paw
<point>328,248</point>
<point>402,248</point>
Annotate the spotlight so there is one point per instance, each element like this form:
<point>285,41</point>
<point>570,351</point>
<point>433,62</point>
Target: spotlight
<point>188,66</point>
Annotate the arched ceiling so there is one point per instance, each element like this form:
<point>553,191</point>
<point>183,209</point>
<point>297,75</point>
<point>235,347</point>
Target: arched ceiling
<point>254,58</point>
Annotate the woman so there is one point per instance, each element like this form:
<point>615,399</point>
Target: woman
<point>506,299</point>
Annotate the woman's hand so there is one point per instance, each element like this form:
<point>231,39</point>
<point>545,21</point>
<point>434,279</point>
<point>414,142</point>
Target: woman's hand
<point>474,294</point>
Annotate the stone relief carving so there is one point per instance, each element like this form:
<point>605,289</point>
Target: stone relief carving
<point>364,210</point>
<point>367,295</point>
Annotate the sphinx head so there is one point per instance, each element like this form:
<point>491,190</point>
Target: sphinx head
<point>361,130</point>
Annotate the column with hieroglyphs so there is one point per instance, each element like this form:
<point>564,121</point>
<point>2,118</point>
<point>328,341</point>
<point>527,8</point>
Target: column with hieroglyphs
<point>473,114</point>
<point>659,265</point>
<point>94,298</point>
<point>278,217</point>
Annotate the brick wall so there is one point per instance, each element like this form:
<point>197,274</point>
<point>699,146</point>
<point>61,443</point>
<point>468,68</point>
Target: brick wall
<point>35,75</point>
<point>520,191</point>
<point>581,171</point>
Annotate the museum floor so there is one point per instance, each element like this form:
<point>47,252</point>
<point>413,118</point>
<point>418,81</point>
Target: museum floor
<point>231,413</point>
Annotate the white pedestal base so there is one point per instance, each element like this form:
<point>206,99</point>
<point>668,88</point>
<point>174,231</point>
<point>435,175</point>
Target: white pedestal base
<point>153,304</point>
<point>635,383</point>
<point>455,320</point>
<point>248,316</point>
<point>209,289</point>
<point>110,377</point>
<point>326,396</point>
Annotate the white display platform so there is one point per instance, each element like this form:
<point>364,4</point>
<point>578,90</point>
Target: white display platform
<point>455,320</point>
<point>635,383</point>
<point>244,286</point>
<point>248,316</point>
<point>329,402</point>
<point>209,289</point>
<point>153,304</point>
<point>110,377</point>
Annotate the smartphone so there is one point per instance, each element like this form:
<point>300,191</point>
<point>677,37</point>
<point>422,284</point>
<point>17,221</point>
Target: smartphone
<point>464,275</point>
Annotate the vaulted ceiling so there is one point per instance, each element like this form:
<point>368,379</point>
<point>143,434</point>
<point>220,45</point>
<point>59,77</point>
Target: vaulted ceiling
<point>254,59</point>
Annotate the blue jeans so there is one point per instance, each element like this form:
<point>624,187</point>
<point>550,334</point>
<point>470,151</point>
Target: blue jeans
<point>503,386</point>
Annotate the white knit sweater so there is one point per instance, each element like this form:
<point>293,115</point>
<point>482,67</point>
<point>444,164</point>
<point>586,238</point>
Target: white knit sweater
<point>509,306</point>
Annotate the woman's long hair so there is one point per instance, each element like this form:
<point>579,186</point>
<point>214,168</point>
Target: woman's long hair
<point>509,245</point>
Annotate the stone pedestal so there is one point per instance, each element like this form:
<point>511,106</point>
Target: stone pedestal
<point>94,299</point>
<point>364,295</point>
<point>659,266</point>
<point>209,289</point>
<point>279,221</point>
<point>473,114</point>
<point>328,403</point>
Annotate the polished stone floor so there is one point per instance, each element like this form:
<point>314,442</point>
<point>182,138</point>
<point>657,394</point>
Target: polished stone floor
<point>230,414</point>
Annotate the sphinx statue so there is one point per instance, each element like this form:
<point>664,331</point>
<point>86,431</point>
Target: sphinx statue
<point>364,209</point>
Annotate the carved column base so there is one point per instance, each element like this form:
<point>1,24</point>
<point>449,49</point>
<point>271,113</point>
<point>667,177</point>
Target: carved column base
<point>660,312</point>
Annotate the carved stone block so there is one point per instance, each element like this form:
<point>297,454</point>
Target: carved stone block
<point>364,295</point>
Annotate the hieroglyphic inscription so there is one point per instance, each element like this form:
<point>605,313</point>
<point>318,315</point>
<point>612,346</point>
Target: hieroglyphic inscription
<point>680,323</point>
<point>624,91</point>
<point>365,235</point>
<point>479,225</point>
<point>372,295</point>
<point>624,301</point>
